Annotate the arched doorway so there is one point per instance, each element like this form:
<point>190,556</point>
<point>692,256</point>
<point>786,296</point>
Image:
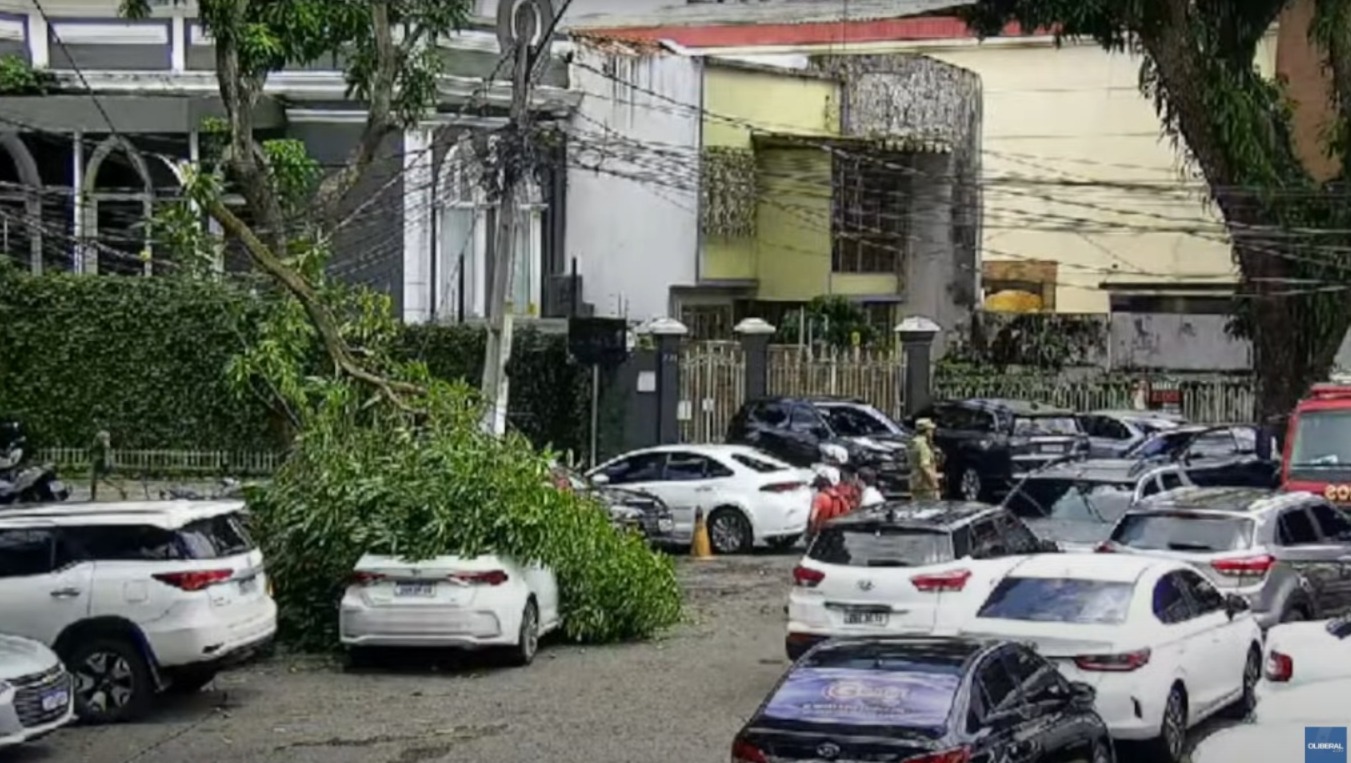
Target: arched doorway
<point>466,225</point>
<point>20,204</point>
<point>119,190</point>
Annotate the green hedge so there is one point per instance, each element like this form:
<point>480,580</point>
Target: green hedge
<point>145,358</point>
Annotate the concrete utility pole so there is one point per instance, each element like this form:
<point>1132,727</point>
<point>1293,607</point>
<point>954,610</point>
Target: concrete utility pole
<point>525,27</point>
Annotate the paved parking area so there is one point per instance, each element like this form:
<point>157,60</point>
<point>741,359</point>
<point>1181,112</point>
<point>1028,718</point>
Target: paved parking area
<point>676,700</point>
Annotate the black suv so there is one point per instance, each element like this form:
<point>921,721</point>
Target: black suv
<point>794,429</point>
<point>987,444</point>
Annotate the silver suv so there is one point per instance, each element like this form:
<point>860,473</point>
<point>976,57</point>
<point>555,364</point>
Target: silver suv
<point>35,691</point>
<point>1289,554</point>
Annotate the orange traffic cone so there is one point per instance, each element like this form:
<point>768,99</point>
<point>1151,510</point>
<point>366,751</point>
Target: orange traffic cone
<point>700,548</point>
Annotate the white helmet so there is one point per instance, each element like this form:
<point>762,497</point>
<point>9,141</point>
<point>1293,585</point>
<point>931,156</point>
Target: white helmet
<point>834,454</point>
<point>829,473</point>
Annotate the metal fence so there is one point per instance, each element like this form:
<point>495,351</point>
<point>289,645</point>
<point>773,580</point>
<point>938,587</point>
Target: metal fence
<point>713,383</point>
<point>169,462</point>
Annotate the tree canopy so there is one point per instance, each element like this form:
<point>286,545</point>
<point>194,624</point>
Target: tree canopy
<point>1289,230</point>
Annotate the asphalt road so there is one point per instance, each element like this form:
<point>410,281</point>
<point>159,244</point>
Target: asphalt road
<point>676,700</point>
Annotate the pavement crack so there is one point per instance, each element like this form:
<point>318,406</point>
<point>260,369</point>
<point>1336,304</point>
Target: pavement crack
<point>448,737</point>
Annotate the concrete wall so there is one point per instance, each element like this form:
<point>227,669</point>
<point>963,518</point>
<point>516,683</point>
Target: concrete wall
<point>1176,342</point>
<point>632,217</point>
<point>736,101</point>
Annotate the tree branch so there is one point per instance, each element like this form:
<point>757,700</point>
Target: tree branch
<point>380,121</point>
<point>1330,28</point>
<point>319,314</point>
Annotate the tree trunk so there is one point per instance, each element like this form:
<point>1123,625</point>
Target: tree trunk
<point>1295,337</point>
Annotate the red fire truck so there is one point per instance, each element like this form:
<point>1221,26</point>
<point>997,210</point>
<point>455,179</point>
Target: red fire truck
<point>1317,452</point>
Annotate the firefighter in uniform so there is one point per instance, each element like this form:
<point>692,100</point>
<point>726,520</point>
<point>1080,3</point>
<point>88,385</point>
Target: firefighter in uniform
<point>924,476</point>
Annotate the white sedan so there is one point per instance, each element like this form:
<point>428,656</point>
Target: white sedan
<point>1162,646</point>
<point>36,693</point>
<point>1306,715</point>
<point>1300,653</point>
<point>747,495</point>
<point>448,602</point>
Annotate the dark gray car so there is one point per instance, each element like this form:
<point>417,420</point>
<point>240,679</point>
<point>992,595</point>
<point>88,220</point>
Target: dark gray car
<point>1076,504</point>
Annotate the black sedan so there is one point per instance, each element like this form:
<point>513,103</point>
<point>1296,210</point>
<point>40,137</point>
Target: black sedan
<point>924,700</point>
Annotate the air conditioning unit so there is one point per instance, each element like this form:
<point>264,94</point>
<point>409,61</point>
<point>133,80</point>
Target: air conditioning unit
<point>558,297</point>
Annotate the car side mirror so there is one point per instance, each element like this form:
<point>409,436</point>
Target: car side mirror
<point>1234,605</point>
<point>600,479</point>
<point>1082,696</point>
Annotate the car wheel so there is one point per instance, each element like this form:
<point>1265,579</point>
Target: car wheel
<point>729,532</point>
<point>527,639</point>
<point>190,680</point>
<point>1252,673</point>
<point>784,543</point>
<point>1172,739</point>
<point>112,681</point>
<point>969,487</point>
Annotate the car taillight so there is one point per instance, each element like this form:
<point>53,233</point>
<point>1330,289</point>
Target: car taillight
<point>365,578</point>
<point>1105,547</point>
<point>806,577</point>
<point>195,580</point>
<point>1280,668</point>
<point>1113,663</point>
<point>956,755</point>
<point>485,577</point>
<point>745,752</point>
<point>1245,567</point>
<point>782,487</point>
<point>953,580</point>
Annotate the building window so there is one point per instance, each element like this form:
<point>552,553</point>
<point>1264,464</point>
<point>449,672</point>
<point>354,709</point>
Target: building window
<point>468,223</point>
<point>708,321</point>
<point>870,213</point>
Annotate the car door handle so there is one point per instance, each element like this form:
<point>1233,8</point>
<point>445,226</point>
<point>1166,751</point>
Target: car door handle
<point>703,490</point>
<point>65,593</point>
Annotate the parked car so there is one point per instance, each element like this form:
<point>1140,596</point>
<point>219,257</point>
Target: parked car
<point>748,496</point>
<point>1222,455</point>
<point>1162,646</point>
<point>1077,503</point>
<point>485,602</point>
<point>135,597</point>
<point>987,444</point>
<point>1112,433</point>
<point>35,691</point>
<point>1309,715</point>
<point>630,509</point>
<point>1286,553</point>
<point>901,568</point>
<point>1301,653</point>
<point>924,700</point>
<point>794,429</point>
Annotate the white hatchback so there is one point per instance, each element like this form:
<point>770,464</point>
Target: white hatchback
<point>747,496</point>
<point>135,597</point>
<point>449,602</point>
<point>1306,652</point>
<point>1161,645</point>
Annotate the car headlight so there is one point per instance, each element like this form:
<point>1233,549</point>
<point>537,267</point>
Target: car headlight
<point>665,525</point>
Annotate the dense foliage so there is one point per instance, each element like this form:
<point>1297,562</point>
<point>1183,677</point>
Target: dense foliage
<point>1290,227</point>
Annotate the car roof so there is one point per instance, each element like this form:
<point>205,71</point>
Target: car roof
<point>709,449</point>
<point>809,399</point>
<point>165,514</point>
<point>1228,500</point>
<point>1131,414</point>
<point>928,513</point>
<point>1015,407</point>
<point>1111,568</point>
<point>955,650</point>
<point>1115,471</point>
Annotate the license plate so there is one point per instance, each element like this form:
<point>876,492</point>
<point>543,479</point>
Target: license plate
<point>1056,448</point>
<point>865,617</point>
<point>415,590</point>
<point>248,585</point>
<point>55,700</point>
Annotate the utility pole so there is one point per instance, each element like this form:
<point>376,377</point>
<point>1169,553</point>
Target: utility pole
<point>521,26</point>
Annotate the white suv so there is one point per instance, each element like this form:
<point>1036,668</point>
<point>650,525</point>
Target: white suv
<point>134,597</point>
<point>917,567</point>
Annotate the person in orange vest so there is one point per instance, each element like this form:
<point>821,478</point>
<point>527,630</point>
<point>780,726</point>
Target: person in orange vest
<point>827,503</point>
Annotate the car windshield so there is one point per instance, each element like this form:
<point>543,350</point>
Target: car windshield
<point>880,546</point>
<point>1182,531</point>
<point>1059,600</point>
<point>1072,500</point>
<point>1322,440</point>
<point>859,421</point>
<point>756,463</point>
<point>1166,444</point>
<point>1039,426</point>
<point>867,691</point>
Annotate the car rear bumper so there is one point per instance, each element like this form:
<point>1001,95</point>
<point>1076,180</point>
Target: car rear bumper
<point>440,627</point>
<point>225,643</point>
